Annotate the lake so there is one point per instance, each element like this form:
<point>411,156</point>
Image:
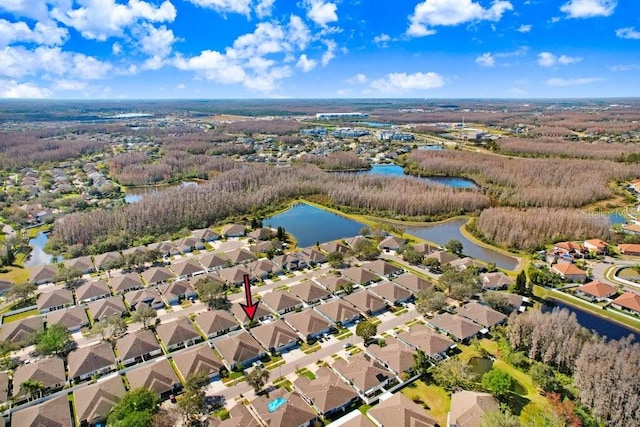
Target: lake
<point>309,224</point>
<point>443,232</point>
<point>38,256</point>
<point>395,170</point>
<point>135,194</point>
<point>602,326</point>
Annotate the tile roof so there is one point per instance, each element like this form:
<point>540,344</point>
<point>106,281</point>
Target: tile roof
<point>456,325</point>
<point>148,296</point>
<point>360,275</point>
<point>381,267</point>
<point>597,289</point>
<point>157,376</point>
<point>412,282</point>
<point>186,268</point>
<point>400,410</point>
<point>366,301</point>
<point>107,307</point>
<point>629,300</point>
<point>396,354</point>
<point>157,274</point>
<point>391,292</point>
<point>21,330</point>
<point>89,359</point>
<point>281,300</point>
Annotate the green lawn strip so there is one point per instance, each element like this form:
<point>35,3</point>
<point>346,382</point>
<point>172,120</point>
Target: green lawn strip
<point>274,365</point>
<point>591,308</point>
<point>436,399</point>
<point>18,316</point>
<point>175,368</point>
<point>355,350</point>
<point>345,335</point>
<point>400,312</point>
<point>310,349</point>
<point>364,409</point>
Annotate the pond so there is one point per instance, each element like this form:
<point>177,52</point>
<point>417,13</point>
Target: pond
<point>135,194</point>
<point>601,325</point>
<point>616,218</point>
<point>480,365</point>
<point>443,232</point>
<point>38,256</point>
<point>309,224</point>
<point>395,170</point>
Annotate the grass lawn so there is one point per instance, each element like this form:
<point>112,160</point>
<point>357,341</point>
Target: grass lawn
<point>307,373</point>
<point>436,399</point>
<point>14,317</point>
<point>16,275</point>
<point>307,349</point>
<point>345,335</point>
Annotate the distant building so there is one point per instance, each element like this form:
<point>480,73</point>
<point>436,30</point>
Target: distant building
<point>330,116</point>
<point>349,133</point>
<point>390,135</point>
<point>314,132</point>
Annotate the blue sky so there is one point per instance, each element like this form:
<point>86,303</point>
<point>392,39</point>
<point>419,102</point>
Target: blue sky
<point>319,48</point>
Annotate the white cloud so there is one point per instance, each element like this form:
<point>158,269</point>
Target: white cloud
<point>628,33</point>
<point>358,79</point>
<point>321,12</point>
<point>101,19</point>
<point>486,60</point>
<point>45,34</point>
<point>403,82</point>
<point>382,39</point>
<point>181,86</point>
<point>548,59</point>
<point>225,6</point>
<point>573,82</point>
<point>433,13</point>
<point>213,66</point>
<point>306,64</point>
<point>18,62</point>
<point>116,49</point>
<point>34,9</point>
<point>13,89</point>
<point>155,42</point>
<point>517,91</point>
<point>264,8</point>
<point>69,85</point>
<point>299,34</point>
<point>329,54</point>
<point>588,8</point>
<point>525,28</point>
<point>625,67</point>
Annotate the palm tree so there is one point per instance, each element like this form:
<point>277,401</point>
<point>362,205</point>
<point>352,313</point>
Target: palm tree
<point>258,378</point>
<point>32,387</point>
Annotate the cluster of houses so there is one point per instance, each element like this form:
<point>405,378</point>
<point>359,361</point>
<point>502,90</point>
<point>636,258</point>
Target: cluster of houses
<point>306,311</point>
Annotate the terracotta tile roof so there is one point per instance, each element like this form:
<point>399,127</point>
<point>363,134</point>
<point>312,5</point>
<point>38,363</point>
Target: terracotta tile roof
<point>597,289</point>
<point>566,268</point>
<point>629,300</point>
<point>630,248</point>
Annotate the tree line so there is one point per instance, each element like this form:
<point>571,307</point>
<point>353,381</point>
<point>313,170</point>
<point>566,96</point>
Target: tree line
<point>559,147</point>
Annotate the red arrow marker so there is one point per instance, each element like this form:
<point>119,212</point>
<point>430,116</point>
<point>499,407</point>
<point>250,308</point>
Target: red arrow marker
<point>249,308</point>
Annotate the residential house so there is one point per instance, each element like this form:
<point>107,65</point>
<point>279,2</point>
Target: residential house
<point>158,377</point>
<point>353,241</point>
<point>443,257</point>
<point>86,362</point>
<point>421,337</point>
<point>282,301</point>
<point>205,235</point>
<point>309,324</point>
<point>4,388</point>
<point>313,256</point>
<point>262,234</point>
<point>216,322</point>
<point>368,377</point>
<point>235,275</point>
<point>53,412</point>
<point>412,282</point>
<point>310,292</point>
<point>189,244</point>
<point>21,332</point>
<point>104,260</point>
<point>335,246</point>
<point>107,307</point>
<point>193,282</point>
<point>137,346</point>
<point>339,312</point>
<point>293,412</point>
<point>240,256</point>
<point>72,318</point>
<point>290,261</point>
<point>632,249</point>
<point>41,274</point>
<point>49,371</point>
<point>262,313</point>
<point>213,262</point>
<point>394,355</point>
<point>327,393</point>
<point>138,251</point>
<point>458,327</point>
<point>148,296</point>
<point>94,402</point>
<point>54,300</point>
<point>178,333</point>
<point>166,249</point>
<point>356,419</point>
<point>482,314</point>
<point>276,336</point>
<point>570,247</point>
<point>264,268</point>
<point>495,281</point>
<point>92,291</point>
<point>125,283</point>
<point>367,302</point>
<point>628,301</point>
<point>175,292</point>
<point>596,246</point>
<point>157,275</point>
<point>240,348</point>
<point>383,268</point>
<point>335,284</point>
<point>198,360</point>
<point>360,275</point>
<point>468,408</point>
<point>596,291</point>
<point>391,243</point>
<point>569,272</point>
<point>425,248</point>
<point>399,410</point>
<point>266,246</point>
<point>186,269</point>
<point>82,264</point>
<point>233,230</point>
<point>393,294</point>
<point>516,302</point>
<point>239,416</point>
